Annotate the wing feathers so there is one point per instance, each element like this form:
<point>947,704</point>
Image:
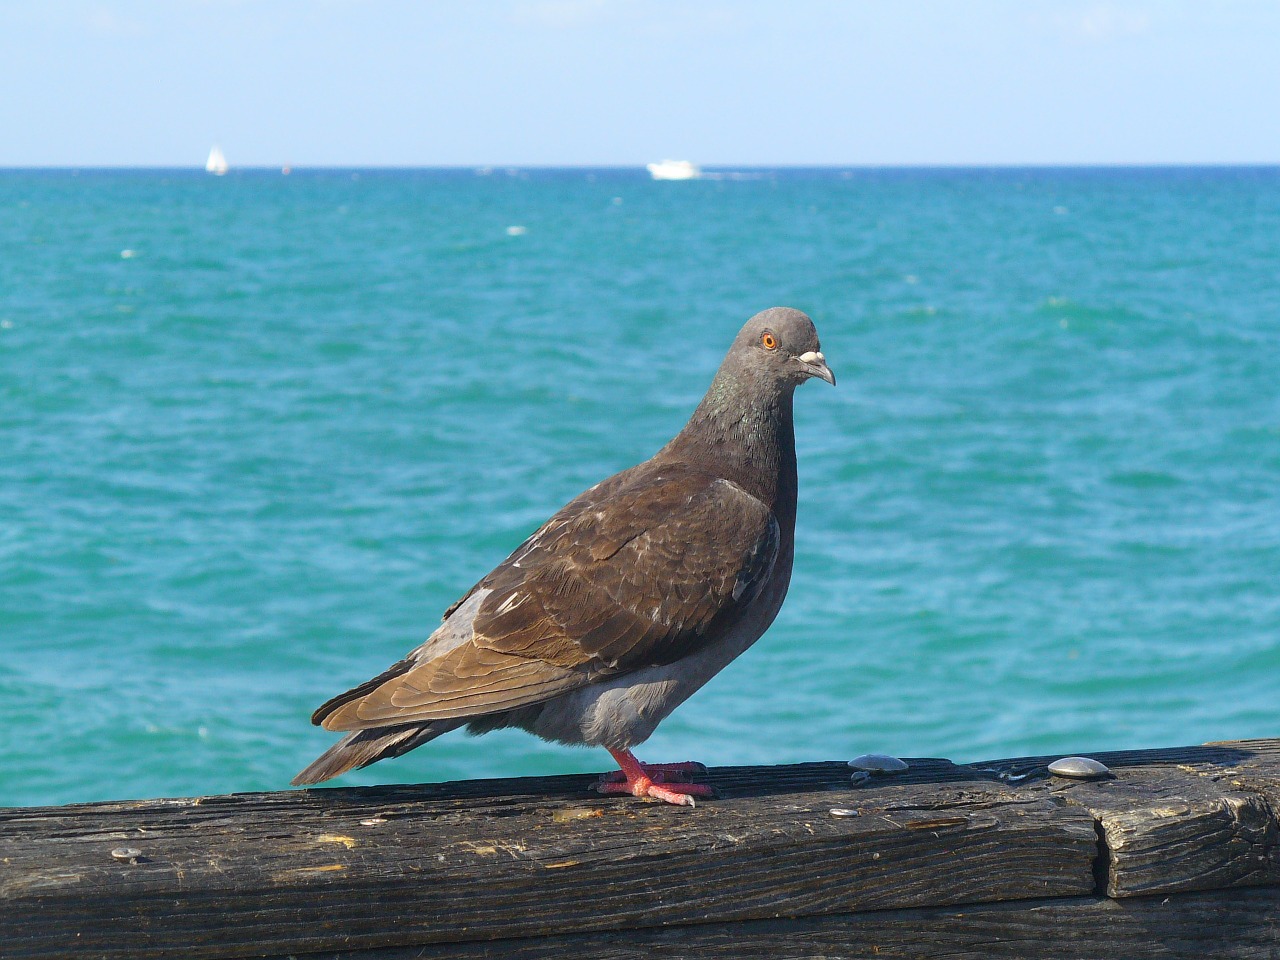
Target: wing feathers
<point>643,569</point>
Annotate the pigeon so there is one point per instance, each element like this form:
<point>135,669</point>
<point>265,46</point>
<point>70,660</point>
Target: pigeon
<point>627,600</point>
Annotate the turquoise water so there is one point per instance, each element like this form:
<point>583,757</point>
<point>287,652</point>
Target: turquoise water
<point>259,431</point>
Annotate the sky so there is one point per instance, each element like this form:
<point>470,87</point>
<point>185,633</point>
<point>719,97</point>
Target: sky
<point>622,82</point>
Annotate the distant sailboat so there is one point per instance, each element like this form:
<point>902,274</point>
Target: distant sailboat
<point>217,163</point>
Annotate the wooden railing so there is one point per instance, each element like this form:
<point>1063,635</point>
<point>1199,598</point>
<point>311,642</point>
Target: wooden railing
<point>1176,855</point>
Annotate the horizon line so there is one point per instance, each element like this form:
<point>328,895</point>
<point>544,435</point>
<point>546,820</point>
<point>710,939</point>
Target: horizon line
<point>715,167</point>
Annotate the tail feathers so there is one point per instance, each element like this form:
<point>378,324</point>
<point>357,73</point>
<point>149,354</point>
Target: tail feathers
<point>356,693</point>
<point>363,747</point>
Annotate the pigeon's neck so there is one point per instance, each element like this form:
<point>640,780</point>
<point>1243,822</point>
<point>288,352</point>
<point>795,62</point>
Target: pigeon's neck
<point>746,435</point>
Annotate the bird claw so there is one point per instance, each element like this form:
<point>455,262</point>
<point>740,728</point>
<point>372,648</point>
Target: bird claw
<point>681,794</point>
<point>654,780</point>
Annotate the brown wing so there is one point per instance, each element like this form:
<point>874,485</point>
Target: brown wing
<point>645,569</point>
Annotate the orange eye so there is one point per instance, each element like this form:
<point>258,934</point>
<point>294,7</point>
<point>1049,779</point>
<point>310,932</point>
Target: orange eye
<point>770,341</point>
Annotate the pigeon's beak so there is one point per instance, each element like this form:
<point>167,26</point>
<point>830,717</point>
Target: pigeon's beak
<point>815,365</point>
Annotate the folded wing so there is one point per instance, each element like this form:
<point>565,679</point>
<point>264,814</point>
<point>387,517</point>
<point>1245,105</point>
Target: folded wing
<point>643,569</point>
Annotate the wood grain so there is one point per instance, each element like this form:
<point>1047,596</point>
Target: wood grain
<point>941,854</point>
<point>1198,926</point>
<point>324,869</point>
<point>1190,818</point>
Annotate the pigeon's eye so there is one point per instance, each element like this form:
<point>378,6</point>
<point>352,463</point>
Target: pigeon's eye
<point>770,341</point>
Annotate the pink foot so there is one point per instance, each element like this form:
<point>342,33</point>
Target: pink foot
<point>650,780</point>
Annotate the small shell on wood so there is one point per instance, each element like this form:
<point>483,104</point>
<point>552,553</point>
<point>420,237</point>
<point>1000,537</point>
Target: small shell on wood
<point>1079,768</point>
<point>878,763</point>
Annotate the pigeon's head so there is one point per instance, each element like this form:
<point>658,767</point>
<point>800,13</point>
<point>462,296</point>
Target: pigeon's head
<point>781,343</point>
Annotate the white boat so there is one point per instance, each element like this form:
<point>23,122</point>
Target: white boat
<point>217,163</point>
<point>673,170</point>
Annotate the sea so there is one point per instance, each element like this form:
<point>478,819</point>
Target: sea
<point>258,431</point>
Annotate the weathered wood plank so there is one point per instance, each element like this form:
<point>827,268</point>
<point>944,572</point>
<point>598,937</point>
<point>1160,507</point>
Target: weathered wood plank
<point>1255,768</point>
<point>326,869</point>
<point>1193,818</point>
<point>1241,925</point>
<point>1170,832</point>
<point>514,861</point>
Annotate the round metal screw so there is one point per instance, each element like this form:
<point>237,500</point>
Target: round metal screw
<point>1079,768</point>
<point>878,763</point>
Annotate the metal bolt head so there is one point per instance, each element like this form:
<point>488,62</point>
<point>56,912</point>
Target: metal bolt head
<point>878,763</point>
<point>126,854</point>
<point>1079,768</point>
<point>844,812</point>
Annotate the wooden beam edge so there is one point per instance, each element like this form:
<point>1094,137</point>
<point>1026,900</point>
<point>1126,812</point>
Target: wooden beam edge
<point>1227,772</point>
<point>1224,925</point>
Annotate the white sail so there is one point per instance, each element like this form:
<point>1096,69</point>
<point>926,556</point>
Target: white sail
<point>217,163</point>
<point>673,170</point>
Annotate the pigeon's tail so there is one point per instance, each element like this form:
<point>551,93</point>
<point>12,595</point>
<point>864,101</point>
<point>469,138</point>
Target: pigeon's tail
<point>363,747</point>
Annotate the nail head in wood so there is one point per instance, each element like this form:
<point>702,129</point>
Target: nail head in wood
<point>878,763</point>
<point>1079,768</point>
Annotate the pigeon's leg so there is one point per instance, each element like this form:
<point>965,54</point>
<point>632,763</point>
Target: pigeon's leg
<point>638,782</point>
<point>661,772</point>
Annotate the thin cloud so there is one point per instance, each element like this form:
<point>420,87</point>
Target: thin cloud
<point>108,23</point>
<point>563,13</point>
<point>1105,22</point>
